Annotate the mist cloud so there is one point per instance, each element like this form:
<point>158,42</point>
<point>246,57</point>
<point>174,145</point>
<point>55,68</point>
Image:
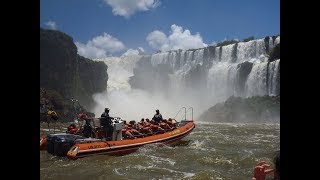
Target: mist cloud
<point>133,104</point>
<point>100,46</point>
<point>130,52</point>
<point>51,25</point>
<point>126,8</point>
<point>178,39</point>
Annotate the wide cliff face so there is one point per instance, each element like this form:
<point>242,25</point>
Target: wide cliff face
<point>58,63</point>
<point>63,70</point>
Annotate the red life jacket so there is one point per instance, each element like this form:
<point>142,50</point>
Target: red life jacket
<point>154,127</point>
<point>74,130</point>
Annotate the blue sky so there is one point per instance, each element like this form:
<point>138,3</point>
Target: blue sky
<point>102,28</point>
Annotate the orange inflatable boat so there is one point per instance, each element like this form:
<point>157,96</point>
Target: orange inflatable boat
<point>122,147</point>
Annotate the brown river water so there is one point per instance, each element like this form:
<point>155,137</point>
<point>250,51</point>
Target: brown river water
<point>211,151</point>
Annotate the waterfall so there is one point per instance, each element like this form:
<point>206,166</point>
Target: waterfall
<point>256,83</point>
<point>226,55</point>
<point>197,77</point>
<point>274,78</point>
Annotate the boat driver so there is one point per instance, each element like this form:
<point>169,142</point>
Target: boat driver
<point>157,117</point>
<point>106,123</point>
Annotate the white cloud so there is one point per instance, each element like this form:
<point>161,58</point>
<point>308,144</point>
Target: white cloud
<point>90,51</point>
<point>51,25</point>
<point>156,39</point>
<point>178,39</point>
<point>130,52</point>
<point>127,8</point>
<point>100,46</point>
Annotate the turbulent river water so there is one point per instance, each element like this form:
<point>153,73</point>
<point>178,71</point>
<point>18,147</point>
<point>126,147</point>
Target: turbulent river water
<point>211,151</point>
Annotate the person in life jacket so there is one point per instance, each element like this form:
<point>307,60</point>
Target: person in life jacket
<point>52,115</point>
<point>87,128</point>
<point>126,131</point>
<point>144,127</point>
<point>260,170</point>
<point>156,128</point>
<point>133,129</point>
<point>106,123</point>
<point>72,129</point>
<point>164,125</point>
<point>157,117</point>
<point>172,123</point>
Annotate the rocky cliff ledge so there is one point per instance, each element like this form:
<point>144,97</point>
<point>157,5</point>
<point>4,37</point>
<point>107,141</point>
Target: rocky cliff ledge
<point>256,109</point>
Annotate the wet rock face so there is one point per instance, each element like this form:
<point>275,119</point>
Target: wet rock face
<point>244,70</point>
<point>93,78</point>
<point>266,42</point>
<point>274,53</point>
<point>57,61</point>
<point>63,70</point>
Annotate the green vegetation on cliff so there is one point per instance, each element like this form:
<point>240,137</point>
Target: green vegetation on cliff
<point>227,42</point>
<point>248,39</point>
<point>67,74</point>
<point>246,110</point>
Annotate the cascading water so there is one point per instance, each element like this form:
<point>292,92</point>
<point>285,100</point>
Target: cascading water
<point>198,77</point>
<point>274,78</point>
<point>257,80</point>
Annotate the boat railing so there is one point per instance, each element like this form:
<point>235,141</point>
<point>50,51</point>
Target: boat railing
<point>184,121</point>
<point>178,112</point>
<point>185,113</point>
<point>191,112</point>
